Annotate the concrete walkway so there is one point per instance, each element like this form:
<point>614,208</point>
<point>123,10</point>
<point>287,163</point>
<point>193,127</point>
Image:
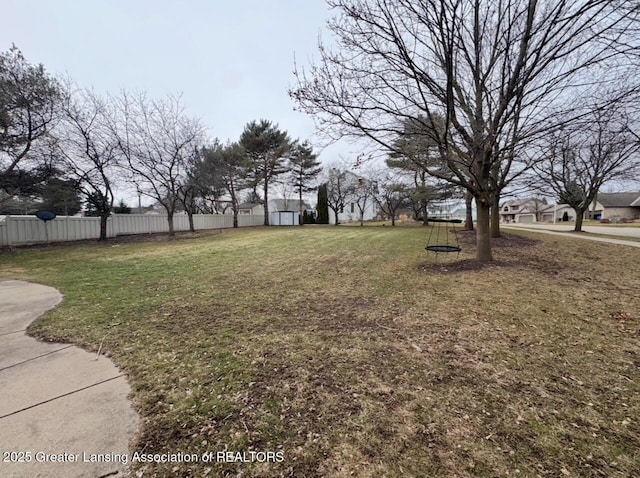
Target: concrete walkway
<point>542,230</point>
<point>622,231</point>
<point>59,407</point>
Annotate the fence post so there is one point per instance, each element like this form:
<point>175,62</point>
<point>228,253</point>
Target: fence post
<point>9,232</point>
<point>7,229</point>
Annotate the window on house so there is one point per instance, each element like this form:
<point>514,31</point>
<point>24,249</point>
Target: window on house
<point>353,207</point>
<point>515,208</point>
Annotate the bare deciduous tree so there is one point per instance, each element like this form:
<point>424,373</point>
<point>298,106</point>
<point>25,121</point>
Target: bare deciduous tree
<point>391,195</point>
<point>226,167</point>
<point>363,194</point>
<point>341,186</point>
<point>157,140</point>
<point>496,72</point>
<point>577,161</point>
<point>89,149</point>
<point>189,190</point>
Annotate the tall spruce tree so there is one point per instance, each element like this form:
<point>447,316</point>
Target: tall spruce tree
<point>267,148</point>
<point>28,100</point>
<point>304,169</point>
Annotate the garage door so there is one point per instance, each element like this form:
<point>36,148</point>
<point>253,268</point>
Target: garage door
<point>526,218</point>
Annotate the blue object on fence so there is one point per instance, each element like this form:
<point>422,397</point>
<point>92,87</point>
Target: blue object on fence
<point>46,215</point>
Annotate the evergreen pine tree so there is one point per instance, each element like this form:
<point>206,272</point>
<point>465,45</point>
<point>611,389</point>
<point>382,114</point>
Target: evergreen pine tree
<point>323,205</point>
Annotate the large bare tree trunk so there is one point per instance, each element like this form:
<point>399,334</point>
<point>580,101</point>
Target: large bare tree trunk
<point>191,226</point>
<point>468,223</point>
<point>495,216</point>
<point>483,235</point>
<point>235,218</point>
<point>579,216</point>
<point>103,226</point>
<point>172,232</point>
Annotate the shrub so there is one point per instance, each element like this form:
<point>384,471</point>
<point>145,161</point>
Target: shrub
<point>308,217</point>
<point>323,205</point>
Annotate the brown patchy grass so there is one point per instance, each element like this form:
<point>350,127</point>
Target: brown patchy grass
<point>356,354</point>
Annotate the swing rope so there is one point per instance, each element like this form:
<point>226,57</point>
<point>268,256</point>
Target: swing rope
<point>447,246</point>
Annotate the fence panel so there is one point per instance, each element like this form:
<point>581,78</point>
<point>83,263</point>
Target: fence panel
<point>212,221</point>
<point>138,224</point>
<point>30,229</point>
<point>4,238</point>
<point>245,220</point>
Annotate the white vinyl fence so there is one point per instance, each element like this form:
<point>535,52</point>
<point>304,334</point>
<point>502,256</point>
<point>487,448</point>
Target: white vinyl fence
<point>30,229</point>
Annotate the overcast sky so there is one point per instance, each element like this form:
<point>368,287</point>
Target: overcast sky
<point>231,60</point>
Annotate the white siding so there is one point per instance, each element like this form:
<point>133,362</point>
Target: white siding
<point>370,212</point>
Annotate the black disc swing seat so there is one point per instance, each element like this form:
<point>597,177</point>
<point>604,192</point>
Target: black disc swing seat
<point>447,247</point>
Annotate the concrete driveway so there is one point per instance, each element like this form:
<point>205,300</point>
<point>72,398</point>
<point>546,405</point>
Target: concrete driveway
<point>59,407</point>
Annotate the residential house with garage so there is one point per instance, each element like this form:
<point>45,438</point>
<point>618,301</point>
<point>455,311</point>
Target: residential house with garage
<point>615,207</point>
<point>531,210</point>
<point>248,208</point>
<point>527,210</point>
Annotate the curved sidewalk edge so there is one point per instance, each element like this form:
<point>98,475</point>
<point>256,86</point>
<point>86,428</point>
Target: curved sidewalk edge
<point>575,236</point>
<point>62,413</point>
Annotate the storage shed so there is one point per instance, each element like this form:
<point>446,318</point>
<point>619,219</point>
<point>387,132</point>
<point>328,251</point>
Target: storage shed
<point>284,218</point>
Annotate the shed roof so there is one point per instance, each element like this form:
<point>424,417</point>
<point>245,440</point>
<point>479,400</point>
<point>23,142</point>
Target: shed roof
<point>248,205</point>
<point>291,204</point>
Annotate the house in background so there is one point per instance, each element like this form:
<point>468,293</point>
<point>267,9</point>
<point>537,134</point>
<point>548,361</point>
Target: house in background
<point>451,210</point>
<point>550,211</point>
<point>351,213</point>
<point>287,205</point>
<point>530,210</point>
<point>615,207</point>
<point>248,208</point>
<point>519,210</point>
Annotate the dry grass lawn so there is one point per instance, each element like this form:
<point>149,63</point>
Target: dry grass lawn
<point>356,354</point>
